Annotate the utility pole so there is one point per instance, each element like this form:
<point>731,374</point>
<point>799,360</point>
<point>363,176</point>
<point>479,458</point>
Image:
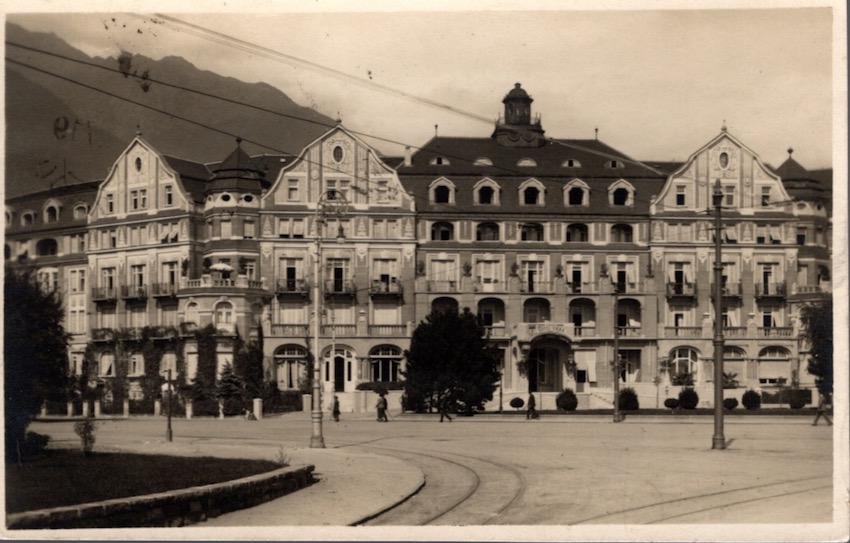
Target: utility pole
<point>718,441</point>
<point>617,417</point>
<point>317,440</point>
<point>168,434</point>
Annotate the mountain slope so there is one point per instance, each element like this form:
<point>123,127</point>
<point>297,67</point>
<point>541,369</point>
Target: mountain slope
<point>55,121</point>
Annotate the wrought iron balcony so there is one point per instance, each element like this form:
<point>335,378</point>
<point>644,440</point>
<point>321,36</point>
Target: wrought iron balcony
<point>134,292</point>
<point>770,290</point>
<point>297,287</point>
<point>681,290</point>
<point>729,290</point>
<point>340,287</point>
<point>390,288</point>
<point>163,290</point>
<point>104,294</point>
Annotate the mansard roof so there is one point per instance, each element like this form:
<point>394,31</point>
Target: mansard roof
<point>237,172</point>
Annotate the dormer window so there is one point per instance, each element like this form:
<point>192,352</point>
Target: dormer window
<point>80,212</point>
<point>577,193</point>
<point>442,191</point>
<point>571,163</point>
<point>51,214</point>
<point>440,161</point>
<point>614,164</point>
<point>27,218</point>
<point>531,193</point>
<point>526,163</point>
<point>482,161</point>
<point>621,196</point>
<point>485,195</point>
<point>621,193</point>
<point>486,192</point>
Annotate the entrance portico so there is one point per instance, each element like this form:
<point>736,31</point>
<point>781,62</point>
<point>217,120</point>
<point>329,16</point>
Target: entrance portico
<point>547,356</point>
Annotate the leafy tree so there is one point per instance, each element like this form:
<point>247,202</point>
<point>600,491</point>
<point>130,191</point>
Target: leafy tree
<point>817,329</point>
<point>35,354</point>
<point>449,365</point>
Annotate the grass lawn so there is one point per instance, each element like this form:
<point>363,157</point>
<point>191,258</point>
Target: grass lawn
<point>66,477</point>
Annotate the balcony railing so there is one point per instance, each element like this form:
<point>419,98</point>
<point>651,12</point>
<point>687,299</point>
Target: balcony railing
<point>683,331</point>
<point>163,289</point>
<point>443,286</point>
<point>729,290</point>
<point>340,287</point>
<point>531,329</point>
<point>387,330</point>
<point>685,290</point>
<point>207,281</point>
<point>582,287</point>
<point>770,290</point>
<point>385,287</point>
<point>104,293</point>
<point>629,287</point>
<point>339,329</point>
<point>299,287</point>
<point>776,331</point>
<point>102,334</point>
<point>134,292</point>
<point>630,331</point>
<point>494,331</point>
<point>544,287</point>
<point>735,331</point>
<point>490,286</point>
<point>584,331</point>
<point>291,330</point>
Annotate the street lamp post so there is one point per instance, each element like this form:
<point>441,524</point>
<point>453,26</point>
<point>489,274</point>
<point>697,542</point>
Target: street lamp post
<point>339,204</point>
<point>617,417</point>
<point>718,441</point>
<point>168,434</point>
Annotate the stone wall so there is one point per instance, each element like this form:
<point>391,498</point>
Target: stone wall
<point>172,508</point>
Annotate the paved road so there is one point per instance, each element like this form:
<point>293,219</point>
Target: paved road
<point>558,471</point>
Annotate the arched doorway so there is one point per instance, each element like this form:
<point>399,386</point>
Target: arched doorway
<point>547,363</point>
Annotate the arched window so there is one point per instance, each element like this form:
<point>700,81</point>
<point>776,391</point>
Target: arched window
<point>482,161</point>
<point>439,161</point>
<point>192,313</point>
<point>386,363</point>
<point>290,364</point>
<point>27,218</point>
<point>535,310</point>
<point>80,212</point>
<point>487,231</point>
<point>46,247</point>
<point>571,163</point>
<point>51,214</point>
<point>442,194</point>
<point>444,304</point>
<point>442,231</point>
<point>224,314</point>
<point>621,193</point>
<point>577,233</point>
<point>531,196</point>
<point>621,233</point>
<point>531,232</point>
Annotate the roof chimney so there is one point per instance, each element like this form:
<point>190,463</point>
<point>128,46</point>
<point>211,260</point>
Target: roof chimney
<point>408,160</point>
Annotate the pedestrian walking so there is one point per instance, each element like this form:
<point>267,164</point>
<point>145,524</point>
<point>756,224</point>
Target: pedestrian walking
<point>824,403</point>
<point>382,408</point>
<point>444,410</point>
<point>335,410</point>
<point>532,408</point>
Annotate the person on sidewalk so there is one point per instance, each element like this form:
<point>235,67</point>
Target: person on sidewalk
<point>335,410</point>
<point>444,409</point>
<point>824,403</point>
<point>382,409</point>
<point>532,408</point>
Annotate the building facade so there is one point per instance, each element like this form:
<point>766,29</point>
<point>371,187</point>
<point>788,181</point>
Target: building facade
<point>569,251</point>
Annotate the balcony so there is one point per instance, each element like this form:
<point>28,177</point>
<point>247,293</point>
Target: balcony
<point>729,290</point>
<point>340,287</point>
<point>579,287</point>
<point>492,285</point>
<point>102,334</point>
<point>628,287</point>
<point>291,330</point>
<point>770,291</point>
<point>385,288</point>
<point>683,331</point>
<point>630,331</point>
<point>294,287</point>
<point>104,294</point>
<point>339,330</point>
<point>681,290</point>
<point>494,331</point>
<point>528,330</point>
<point>530,287</point>
<point>785,332</point>
<point>735,332</point>
<point>388,330</point>
<point>134,292</point>
<point>163,290</point>
<point>240,282</point>
<point>443,286</point>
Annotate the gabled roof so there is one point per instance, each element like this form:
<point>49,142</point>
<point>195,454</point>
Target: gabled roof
<point>193,175</point>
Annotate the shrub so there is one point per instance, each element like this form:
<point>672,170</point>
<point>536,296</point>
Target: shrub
<point>33,444</point>
<point>730,403</point>
<point>671,403</point>
<point>688,398</point>
<point>517,403</point>
<point>85,429</point>
<point>628,399</point>
<point>751,400</point>
<point>566,400</point>
<point>683,378</point>
<point>798,399</point>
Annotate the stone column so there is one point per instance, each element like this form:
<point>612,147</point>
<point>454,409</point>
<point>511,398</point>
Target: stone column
<point>126,408</point>
<point>157,407</point>
<point>70,409</point>
<point>258,408</point>
<point>96,408</point>
<point>86,408</point>
<point>189,409</point>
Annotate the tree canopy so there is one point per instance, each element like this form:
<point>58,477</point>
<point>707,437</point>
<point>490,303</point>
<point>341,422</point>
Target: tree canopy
<point>449,364</point>
<point>817,329</point>
<point>35,353</point>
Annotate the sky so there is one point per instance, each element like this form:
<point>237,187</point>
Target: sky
<point>657,83</point>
